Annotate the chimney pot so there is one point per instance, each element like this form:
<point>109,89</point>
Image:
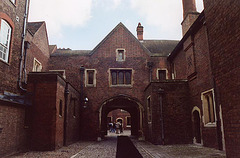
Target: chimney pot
<point>140,32</point>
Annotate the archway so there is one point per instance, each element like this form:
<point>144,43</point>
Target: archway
<point>196,126</point>
<point>126,103</point>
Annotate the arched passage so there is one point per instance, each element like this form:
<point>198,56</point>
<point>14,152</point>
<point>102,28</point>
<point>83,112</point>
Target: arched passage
<point>196,125</point>
<point>126,103</point>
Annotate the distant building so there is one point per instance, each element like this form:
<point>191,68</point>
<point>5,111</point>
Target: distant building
<point>165,91</point>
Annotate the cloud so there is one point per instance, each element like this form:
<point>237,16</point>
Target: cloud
<point>60,13</point>
<point>166,15</point>
<point>108,4</point>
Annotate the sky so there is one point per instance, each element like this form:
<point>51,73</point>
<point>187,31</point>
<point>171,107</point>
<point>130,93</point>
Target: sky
<point>82,24</point>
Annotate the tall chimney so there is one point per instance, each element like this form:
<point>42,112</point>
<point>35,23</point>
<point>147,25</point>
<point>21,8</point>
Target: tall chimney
<point>190,14</point>
<point>140,32</point>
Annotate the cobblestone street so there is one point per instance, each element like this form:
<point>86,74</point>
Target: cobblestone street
<point>107,149</point>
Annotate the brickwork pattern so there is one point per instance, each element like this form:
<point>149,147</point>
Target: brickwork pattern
<point>222,20</point>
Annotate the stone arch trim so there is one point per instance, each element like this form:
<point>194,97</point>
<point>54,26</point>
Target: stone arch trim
<point>124,96</point>
<point>195,108</point>
<point>127,97</point>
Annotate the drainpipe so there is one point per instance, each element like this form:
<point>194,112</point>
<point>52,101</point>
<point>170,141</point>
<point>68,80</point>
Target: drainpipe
<point>26,46</point>
<point>161,92</point>
<point>66,93</point>
<point>22,51</point>
<point>82,69</point>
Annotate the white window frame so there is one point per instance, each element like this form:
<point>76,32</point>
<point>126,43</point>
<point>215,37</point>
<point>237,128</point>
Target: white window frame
<point>6,46</point>
<point>120,85</point>
<point>94,78</point>
<point>117,54</point>
<point>157,73</point>
<point>149,110</point>
<point>208,124</point>
<point>127,122</point>
<point>35,61</point>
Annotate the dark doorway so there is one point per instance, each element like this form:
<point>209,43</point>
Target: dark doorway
<point>196,126</point>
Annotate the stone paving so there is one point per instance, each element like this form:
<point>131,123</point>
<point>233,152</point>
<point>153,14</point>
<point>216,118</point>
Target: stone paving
<point>107,149</point>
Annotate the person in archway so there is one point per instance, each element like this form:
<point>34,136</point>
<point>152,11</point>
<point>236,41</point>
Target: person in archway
<point>118,127</point>
<point>121,128</point>
<point>110,127</point>
<point>114,127</point>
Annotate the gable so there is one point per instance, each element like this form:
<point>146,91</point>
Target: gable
<point>120,38</point>
<point>40,39</point>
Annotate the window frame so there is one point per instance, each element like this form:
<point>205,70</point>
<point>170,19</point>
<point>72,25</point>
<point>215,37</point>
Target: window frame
<point>157,73</point>
<point>117,54</point>
<point>128,125</point>
<point>9,40</point>
<point>205,108</point>
<point>124,77</point>
<point>149,110</point>
<point>94,78</point>
<point>38,62</point>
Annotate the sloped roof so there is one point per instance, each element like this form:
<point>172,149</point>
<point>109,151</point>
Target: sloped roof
<point>115,29</point>
<point>151,47</point>
<point>33,27</point>
<point>51,48</point>
<point>69,52</point>
<point>160,47</point>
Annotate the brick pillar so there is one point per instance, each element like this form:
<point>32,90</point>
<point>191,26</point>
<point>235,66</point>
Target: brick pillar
<point>140,32</point>
<point>190,14</point>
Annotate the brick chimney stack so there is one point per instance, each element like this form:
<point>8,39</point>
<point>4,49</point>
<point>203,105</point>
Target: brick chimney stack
<point>140,32</point>
<point>190,14</point>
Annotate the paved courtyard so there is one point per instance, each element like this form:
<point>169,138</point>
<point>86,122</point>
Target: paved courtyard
<point>107,149</point>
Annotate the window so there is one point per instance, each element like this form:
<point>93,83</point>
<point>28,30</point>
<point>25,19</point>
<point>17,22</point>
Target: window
<point>209,114</point>
<point>90,78</point>
<point>120,55</point>
<point>37,66</point>
<point>149,109</point>
<point>60,108</point>
<point>162,74</point>
<point>5,37</point>
<point>121,77</point>
<point>173,71</point>
<point>128,121</point>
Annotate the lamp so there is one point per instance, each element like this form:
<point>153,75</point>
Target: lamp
<point>85,102</point>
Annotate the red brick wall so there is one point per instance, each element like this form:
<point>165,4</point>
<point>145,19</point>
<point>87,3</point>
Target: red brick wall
<point>176,113</point>
<point>116,114</point>
<point>193,63</point>
<point>12,115</point>
<point>73,121</point>
<point>43,113</point>
<point>103,59</point>
<point>222,20</point>
<point>13,135</point>
<point>9,71</point>
<point>47,125</point>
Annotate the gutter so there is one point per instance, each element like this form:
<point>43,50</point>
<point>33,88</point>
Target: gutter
<point>22,51</point>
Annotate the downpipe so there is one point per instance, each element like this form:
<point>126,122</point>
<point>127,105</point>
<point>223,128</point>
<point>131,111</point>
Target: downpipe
<point>22,48</point>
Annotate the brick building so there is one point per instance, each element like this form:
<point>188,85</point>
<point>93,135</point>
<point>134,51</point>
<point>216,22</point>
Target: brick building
<point>175,92</point>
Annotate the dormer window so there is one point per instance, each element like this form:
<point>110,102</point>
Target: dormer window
<point>120,55</point>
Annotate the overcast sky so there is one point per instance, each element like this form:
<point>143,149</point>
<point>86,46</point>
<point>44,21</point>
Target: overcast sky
<point>82,24</point>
